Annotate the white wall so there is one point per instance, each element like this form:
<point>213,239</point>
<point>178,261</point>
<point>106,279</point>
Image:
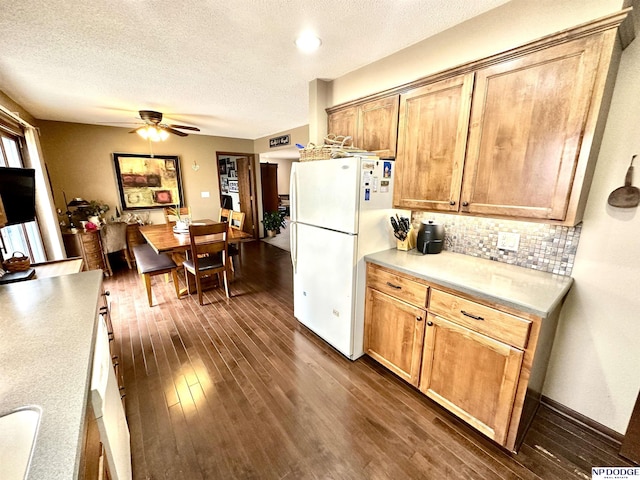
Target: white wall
<point>595,358</point>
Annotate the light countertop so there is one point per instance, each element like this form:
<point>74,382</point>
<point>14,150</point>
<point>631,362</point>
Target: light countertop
<point>47,336</point>
<point>522,288</point>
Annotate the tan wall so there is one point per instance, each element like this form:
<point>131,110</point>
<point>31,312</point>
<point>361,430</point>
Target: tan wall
<point>79,159</point>
<point>595,357</point>
<point>14,107</point>
<point>298,135</point>
<point>284,172</point>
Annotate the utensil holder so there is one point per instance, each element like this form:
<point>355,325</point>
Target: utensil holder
<point>408,243</point>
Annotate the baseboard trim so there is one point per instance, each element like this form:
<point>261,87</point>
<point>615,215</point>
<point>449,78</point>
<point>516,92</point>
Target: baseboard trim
<point>582,420</point>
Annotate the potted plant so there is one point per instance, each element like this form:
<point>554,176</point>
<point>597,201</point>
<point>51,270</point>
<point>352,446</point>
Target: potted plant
<point>272,222</point>
<point>182,222</point>
<point>94,211</point>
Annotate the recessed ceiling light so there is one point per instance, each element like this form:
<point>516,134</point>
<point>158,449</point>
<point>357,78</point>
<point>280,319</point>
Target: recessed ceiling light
<point>308,42</point>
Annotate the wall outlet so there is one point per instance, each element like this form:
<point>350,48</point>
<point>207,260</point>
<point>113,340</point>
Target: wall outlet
<point>508,241</point>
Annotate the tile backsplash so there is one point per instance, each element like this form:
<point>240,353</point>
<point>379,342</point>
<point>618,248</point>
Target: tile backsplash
<point>549,248</point>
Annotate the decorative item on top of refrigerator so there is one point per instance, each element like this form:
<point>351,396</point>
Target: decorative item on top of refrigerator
<point>340,211</point>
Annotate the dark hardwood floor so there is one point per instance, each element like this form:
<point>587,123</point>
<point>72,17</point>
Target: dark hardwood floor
<point>239,389</point>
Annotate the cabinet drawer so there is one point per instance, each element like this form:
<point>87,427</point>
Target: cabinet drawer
<point>94,261</point>
<point>397,286</point>
<point>480,318</point>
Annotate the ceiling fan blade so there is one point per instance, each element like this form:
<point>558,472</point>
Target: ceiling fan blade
<point>184,127</point>
<point>175,132</point>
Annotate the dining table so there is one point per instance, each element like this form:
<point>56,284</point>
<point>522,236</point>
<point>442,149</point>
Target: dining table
<point>163,238</point>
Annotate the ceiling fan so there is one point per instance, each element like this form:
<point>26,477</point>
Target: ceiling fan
<point>156,131</point>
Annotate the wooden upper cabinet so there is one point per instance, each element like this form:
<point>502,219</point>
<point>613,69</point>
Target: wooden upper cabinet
<point>373,125</point>
<point>344,122</point>
<point>431,144</point>
<point>378,126</point>
<point>528,119</point>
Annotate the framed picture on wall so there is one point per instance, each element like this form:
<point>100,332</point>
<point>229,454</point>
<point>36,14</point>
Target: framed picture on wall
<point>222,166</point>
<point>224,186</point>
<point>148,182</point>
<point>231,173</point>
<point>233,186</point>
<point>231,164</point>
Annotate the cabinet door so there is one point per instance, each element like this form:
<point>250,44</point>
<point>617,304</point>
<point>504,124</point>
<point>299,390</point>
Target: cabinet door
<point>378,126</point>
<point>470,374</point>
<point>432,139</point>
<point>527,124</point>
<point>344,122</point>
<point>394,334</point>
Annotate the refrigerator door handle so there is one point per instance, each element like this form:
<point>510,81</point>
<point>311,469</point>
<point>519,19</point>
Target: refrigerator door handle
<point>293,242</point>
<point>293,192</point>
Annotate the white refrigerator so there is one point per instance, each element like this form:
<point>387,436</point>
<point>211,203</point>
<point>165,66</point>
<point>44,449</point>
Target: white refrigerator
<point>340,211</point>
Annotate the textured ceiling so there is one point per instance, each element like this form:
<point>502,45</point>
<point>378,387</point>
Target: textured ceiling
<point>227,66</point>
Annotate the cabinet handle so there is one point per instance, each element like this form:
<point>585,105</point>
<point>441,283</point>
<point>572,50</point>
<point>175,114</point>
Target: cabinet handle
<point>397,287</point>
<point>452,203</point>
<point>419,319</point>
<point>465,204</point>
<point>475,317</point>
<point>107,293</point>
<point>430,323</point>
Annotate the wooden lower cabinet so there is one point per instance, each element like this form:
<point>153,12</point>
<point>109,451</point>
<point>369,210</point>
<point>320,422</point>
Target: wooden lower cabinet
<point>472,356</point>
<point>470,374</point>
<point>394,334</point>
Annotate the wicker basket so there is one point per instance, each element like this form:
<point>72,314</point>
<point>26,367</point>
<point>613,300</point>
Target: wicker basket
<point>333,146</point>
<point>17,263</point>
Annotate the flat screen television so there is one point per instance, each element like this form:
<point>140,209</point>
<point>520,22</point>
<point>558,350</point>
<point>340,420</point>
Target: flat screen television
<point>18,192</point>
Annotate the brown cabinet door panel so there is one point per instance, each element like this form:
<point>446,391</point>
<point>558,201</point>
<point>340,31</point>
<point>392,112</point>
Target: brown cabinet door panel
<point>344,122</point>
<point>394,334</point>
<point>378,126</point>
<point>470,374</point>
<point>432,139</point>
<point>527,122</point>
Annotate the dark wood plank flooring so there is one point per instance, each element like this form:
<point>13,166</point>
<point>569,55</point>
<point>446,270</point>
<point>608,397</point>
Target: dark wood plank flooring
<point>239,389</point>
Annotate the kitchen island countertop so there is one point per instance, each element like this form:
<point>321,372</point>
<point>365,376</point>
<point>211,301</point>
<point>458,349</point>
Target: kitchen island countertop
<point>47,337</point>
<point>521,288</point>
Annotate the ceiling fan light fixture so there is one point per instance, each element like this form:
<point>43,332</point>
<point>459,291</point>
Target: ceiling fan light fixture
<point>153,133</point>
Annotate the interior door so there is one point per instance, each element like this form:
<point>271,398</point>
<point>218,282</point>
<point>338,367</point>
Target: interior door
<point>269,180</point>
<point>631,443</point>
<point>247,197</point>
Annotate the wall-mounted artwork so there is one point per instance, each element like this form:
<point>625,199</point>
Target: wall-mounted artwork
<point>146,181</point>
<point>233,186</point>
<point>222,166</point>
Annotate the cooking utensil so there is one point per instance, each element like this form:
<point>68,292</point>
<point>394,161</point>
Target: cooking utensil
<point>400,227</point>
<point>627,196</point>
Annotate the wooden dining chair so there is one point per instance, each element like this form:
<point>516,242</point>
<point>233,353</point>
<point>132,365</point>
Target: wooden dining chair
<point>208,257</point>
<point>170,218</point>
<point>236,222</point>
<point>224,215</point>
<point>113,237</point>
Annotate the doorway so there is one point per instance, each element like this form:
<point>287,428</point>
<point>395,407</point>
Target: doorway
<point>237,186</point>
